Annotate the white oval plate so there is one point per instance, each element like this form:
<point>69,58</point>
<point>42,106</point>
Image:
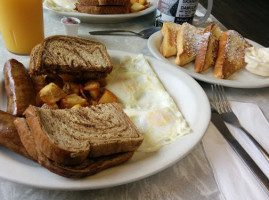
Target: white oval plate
<point>240,79</point>
<point>191,100</point>
<point>97,19</point>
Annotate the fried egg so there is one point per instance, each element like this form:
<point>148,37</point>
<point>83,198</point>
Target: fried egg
<point>147,103</point>
<point>61,5</point>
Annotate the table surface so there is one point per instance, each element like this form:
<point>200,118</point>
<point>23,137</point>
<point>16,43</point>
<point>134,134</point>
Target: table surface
<point>190,178</point>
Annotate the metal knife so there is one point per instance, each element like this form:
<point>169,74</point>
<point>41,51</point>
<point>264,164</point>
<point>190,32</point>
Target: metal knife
<point>254,168</point>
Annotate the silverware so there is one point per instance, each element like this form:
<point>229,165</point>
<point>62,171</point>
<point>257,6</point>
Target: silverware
<point>223,107</point>
<point>253,167</point>
<point>143,34</point>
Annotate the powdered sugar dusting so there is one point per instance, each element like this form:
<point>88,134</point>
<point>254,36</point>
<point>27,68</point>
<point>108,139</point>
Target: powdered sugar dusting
<point>192,37</point>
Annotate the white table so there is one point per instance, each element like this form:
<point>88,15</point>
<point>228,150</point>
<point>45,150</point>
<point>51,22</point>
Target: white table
<point>190,178</point>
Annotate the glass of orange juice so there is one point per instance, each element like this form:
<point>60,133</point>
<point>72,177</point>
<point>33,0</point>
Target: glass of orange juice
<point>21,24</point>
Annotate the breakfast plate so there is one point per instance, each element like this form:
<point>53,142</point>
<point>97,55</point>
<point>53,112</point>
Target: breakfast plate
<point>193,104</point>
<point>96,19</point>
<point>240,79</point>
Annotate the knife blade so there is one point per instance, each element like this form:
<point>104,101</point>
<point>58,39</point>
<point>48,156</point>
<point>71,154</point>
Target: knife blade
<point>253,167</point>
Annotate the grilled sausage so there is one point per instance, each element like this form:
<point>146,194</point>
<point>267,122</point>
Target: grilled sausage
<point>9,136</point>
<point>19,87</point>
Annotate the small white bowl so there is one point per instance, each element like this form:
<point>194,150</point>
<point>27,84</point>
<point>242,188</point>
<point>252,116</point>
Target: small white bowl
<point>71,25</point>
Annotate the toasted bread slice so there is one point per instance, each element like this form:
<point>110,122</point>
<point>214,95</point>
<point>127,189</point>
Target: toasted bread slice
<point>26,137</point>
<point>62,54</point>
<point>104,2</point>
<point>107,9</point>
<point>69,136</point>
<point>188,38</point>
<point>169,45</point>
<point>88,167</point>
<point>231,54</point>
<point>9,137</point>
<point>208,48</point>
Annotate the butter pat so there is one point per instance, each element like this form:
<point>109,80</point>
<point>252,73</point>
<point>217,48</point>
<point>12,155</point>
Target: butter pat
<point>257,60</point>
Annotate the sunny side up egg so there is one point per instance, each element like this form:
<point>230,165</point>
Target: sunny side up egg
<point>147,103</point>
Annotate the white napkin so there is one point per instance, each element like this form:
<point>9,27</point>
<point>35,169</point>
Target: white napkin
<point>234,179</point>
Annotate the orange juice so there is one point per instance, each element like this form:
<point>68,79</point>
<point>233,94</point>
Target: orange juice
<point>21,24</point>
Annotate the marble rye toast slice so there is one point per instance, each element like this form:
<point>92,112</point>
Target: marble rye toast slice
<point>62,54</point>
<point>70,136</point>
<point>88,167</point>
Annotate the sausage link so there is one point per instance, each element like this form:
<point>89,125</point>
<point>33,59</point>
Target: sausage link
<point>9,136</point>
<point>19,87</point>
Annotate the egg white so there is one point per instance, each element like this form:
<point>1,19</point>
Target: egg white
<point>61,5</point>
<point>147,103</point>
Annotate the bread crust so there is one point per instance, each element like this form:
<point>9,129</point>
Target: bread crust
<point>95,147</point>
<point>89,167</point>
<point>9,137</point>
<point>26,137</point>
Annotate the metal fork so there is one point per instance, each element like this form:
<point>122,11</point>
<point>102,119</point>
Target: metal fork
<point>222,105</point>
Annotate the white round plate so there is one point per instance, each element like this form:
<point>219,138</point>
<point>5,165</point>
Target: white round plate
<point>240,79</point>
<point>97,19</point>
<point>191,100</point>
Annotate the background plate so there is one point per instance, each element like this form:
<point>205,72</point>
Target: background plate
<point>96,19</point>
<point>191,100</point>
<point>240,79</point>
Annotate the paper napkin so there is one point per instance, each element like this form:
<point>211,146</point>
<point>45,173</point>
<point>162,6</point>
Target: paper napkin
<point>233,177</point>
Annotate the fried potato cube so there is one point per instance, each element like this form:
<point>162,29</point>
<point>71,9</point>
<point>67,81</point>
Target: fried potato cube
<point>137,7</point>
<point>50,106</point>
<point>142,2</point>
<point>70,88</point>
<point>91,85</point>
<point>71,100</point>
<point>51,93</point>
<point>108,97</point>
<point>95,94</point>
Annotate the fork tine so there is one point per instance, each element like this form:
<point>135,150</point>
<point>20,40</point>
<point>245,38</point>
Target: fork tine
<point>216,98</point>
<point>219,98</point>
<point>224,100</point>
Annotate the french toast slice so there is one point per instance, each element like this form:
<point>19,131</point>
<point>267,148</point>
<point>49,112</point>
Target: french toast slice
<point>69,136</point>
<point>188,38</point>
<point>169,45</point>
<point>231,54</point>
<point>208,48</point>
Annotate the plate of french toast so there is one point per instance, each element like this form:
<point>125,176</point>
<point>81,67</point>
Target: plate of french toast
<point>101,11</point>
<point>207,54</point>
<point>94,118</point>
